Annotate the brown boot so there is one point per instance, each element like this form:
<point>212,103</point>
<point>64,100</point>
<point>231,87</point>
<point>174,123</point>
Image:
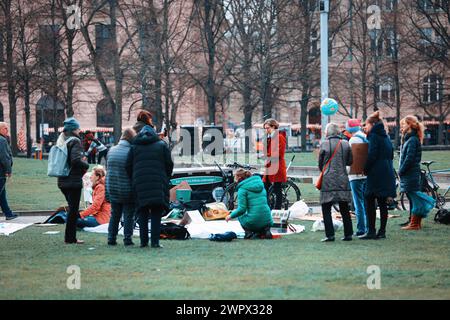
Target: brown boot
<point>414,224</point>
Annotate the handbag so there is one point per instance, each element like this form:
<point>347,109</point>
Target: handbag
<point>319,181</point>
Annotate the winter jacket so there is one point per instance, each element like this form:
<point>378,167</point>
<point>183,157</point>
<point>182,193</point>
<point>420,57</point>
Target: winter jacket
<point>149,166</point>
<point>275,166</point>
<point>379,168</point>
<point>253,212</point>
<point>100,208</point>
<point>137,127</point>
<point>6,161</point>
<point>118,184</point>
<point>78,167</point>
<point>410,157</point>
<point>335,183</point>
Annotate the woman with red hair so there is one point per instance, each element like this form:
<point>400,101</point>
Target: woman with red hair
<point>409,171</point>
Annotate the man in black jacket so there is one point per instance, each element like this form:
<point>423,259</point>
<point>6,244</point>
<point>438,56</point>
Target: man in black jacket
<point>6,163</point>
<point>150,167</point>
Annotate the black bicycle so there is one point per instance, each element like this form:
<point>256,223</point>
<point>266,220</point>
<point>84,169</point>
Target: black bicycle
<point>428,186</point>
<point>289,189</point>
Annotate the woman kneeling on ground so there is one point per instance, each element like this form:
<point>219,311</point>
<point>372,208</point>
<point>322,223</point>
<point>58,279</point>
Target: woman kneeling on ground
<point>100,211</point>
<point>253,212</point>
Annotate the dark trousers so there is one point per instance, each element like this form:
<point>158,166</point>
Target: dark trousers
<point>73,196</point>
<point>91,158</point>
<point>371,211</point>
<point>277,192</point>
<point>328,220</point>
<point>101,155</point>
<point>117,209</point>
<point>3,201</point>
<point>144,214</point>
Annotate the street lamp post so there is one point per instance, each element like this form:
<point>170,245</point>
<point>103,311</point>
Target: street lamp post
<point>324,6</point>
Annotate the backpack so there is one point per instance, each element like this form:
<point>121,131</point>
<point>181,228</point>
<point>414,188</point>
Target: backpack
<point>442,216</point>
<point>60,216</point>
<point>172,231</point>
<point>58,166</point>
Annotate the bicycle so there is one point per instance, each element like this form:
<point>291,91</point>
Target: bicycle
<point>428,186</point>
<point>289,189</point>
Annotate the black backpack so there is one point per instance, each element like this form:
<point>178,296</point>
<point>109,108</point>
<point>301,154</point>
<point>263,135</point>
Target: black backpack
<point>170,230</point>
<point>442,216</point>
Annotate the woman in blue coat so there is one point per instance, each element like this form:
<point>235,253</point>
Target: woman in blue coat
<point>409,170</point>
<point>380,175</point>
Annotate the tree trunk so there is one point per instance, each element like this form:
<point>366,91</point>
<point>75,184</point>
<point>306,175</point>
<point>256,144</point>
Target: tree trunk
<point>12,98</point>
<point>69,74</point>
<point>118,76</point>
<point>303,116</point>
<point>211,47</point>
<point>27,93</point>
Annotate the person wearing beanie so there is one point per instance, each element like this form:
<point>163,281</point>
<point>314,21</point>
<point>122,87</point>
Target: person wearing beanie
<point>72,185</point>
<point>358,181</point>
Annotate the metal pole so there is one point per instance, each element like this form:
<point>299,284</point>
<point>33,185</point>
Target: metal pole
<point>324,8</point>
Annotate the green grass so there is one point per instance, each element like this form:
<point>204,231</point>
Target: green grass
<point>414,265</point>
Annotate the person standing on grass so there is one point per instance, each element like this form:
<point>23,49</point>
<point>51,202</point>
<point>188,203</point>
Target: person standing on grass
<point>380,176</point>
<point>100,147</point>
<point>253,211</point>
<point>275,164</point>
<point>99,212</point>
<point>150,166</point>
<point>337,152</point>
<point>72,185</point>
<point>6,163</point>
<point>409,171</point>
<point>358,181</point>
<point>118,190</point>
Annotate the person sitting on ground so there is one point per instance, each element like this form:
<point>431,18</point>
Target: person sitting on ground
<point>253,211</point>
<point>100,210</point>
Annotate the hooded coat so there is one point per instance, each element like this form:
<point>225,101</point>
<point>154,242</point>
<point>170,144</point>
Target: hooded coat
<point>275,166</point>
<point>253,212</point>
<point>379,167</point>
<point>410,157</point>
<point>335,183</point>
<point>118,184</point>
<point>150,166</point>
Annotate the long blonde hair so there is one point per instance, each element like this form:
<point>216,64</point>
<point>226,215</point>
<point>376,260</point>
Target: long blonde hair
<point>413,124</point>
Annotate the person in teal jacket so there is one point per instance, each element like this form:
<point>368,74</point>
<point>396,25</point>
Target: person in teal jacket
<point>253,211</point>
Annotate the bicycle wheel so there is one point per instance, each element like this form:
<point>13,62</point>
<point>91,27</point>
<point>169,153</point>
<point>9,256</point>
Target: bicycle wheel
<point>402,200</point>
<point>229,197</point>
<point>290,193</point>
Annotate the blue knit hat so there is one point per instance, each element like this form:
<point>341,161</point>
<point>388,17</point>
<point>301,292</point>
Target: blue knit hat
<point>353,125</point>
<point>71,124</point>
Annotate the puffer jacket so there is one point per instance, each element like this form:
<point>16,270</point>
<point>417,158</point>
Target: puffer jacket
<point>253,212</point>
<point>6,159</point>
<point>150,166</point>
<point>78,167</point>
<point>100,208</point>
<point>118,184</point>
<point>410,157</point>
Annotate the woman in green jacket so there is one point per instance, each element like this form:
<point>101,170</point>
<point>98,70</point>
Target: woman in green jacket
<point>253,211</point>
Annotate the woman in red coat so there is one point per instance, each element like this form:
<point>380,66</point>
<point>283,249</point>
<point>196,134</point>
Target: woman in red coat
<point>275,165</point>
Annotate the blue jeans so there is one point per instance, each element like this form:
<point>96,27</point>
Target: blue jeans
<point>3,201</point>
<point>89,222</point>
<point>128,221</point>
<point>358,188</point>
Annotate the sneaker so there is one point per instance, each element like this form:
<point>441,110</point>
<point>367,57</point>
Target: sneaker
<point>331,239</point>
<point>75,242</point>
<point>348,238</point>
<point>112,243</point>
<point>128,243</point>
<point>360,233</point>
<point>13,216</point>
<point>368,236</point>
<point>157,246</point>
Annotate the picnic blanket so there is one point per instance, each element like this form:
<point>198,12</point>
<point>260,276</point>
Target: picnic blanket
<point>7,228</point>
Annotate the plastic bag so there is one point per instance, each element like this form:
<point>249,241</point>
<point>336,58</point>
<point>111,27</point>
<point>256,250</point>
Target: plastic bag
<point>298,209</point>
<point>319,225</point>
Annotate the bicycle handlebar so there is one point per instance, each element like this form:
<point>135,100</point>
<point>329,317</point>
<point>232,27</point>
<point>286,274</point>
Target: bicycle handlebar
<point>237,166</point>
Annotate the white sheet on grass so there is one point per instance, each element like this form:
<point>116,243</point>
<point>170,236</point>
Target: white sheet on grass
<point>103,228</point>
<point>7,228</point>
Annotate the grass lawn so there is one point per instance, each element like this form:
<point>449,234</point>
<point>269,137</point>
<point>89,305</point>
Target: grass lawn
<point>413,265</point>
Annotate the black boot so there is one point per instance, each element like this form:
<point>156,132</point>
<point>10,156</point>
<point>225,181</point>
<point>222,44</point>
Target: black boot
<point>369,236</point>
<point>381,234</point>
